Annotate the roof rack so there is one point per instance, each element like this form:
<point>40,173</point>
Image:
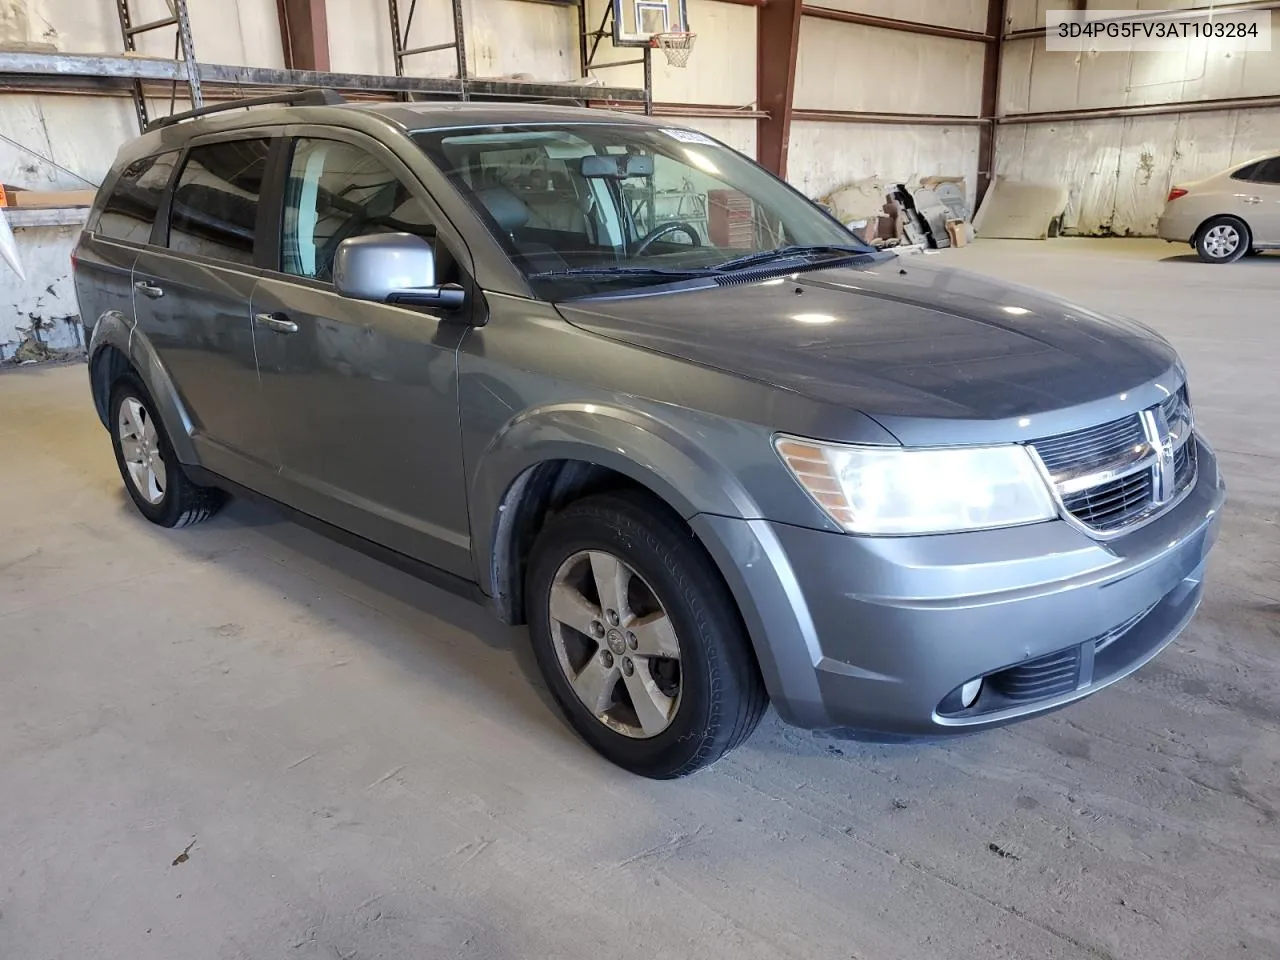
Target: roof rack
<point>314,97</point>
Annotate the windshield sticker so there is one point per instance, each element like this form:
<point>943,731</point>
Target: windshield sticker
<point>690,136</point>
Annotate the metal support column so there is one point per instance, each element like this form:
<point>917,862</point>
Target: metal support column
<point>400,37</point>
<point>996,27</point>
<point>189,53</point>
<point>177,18</point>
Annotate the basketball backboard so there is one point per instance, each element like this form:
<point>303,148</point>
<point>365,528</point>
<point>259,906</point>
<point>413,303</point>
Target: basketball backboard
<point>636,21</point>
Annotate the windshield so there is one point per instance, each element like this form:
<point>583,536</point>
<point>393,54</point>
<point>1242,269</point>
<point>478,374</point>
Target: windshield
<point>593,208</point>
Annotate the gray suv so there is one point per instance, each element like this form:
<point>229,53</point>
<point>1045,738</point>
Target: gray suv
<point>615,381</point>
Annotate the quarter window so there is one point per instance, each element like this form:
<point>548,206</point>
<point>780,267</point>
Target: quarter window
<point>215,204</point>
<point>1268,171</point>
<point>337,191</point>
<point>131,209</point>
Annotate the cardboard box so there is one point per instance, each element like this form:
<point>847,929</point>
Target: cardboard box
<point>958,231</point>
<point>15,197</point>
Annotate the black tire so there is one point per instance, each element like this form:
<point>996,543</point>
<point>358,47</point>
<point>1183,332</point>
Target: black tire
<point>183,502</point>
<point>722,697</point>
<point>1228,229</point>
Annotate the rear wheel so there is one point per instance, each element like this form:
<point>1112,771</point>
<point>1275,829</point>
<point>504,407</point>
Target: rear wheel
<point>1223,240</point>
<point>152,474</point>
<point>639,639</point>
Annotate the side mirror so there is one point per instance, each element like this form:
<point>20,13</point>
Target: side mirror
<point>392,268</point>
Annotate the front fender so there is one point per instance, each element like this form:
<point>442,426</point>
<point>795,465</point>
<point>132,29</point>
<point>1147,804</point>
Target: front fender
<point>114,329</point>
<point>633,443</point>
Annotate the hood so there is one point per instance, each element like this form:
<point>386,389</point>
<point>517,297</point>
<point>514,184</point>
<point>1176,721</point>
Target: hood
<point>907,343</point>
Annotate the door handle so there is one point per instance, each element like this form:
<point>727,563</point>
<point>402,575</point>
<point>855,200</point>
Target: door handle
<point>149,289</point>
<point>1252,199</point>
<point>277,322</point>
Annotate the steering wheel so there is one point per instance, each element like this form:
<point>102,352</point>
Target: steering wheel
<point>661,230</point>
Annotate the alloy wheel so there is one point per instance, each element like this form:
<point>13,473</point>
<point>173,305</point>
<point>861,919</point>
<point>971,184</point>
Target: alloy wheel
<point>1221,241</point>
<point>616,644</point>
<point>140,449</point>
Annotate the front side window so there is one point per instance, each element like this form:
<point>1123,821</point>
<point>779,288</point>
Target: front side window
<point>215,203</point>
<point>130,211</point>
<point>592,208</point>
<point>337,191</point>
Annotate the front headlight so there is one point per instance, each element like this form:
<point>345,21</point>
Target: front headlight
<point>892,490</point>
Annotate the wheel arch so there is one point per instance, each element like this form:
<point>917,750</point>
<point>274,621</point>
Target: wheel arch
<point>1195,236</point>
<point>553,456</point>
<point>117,348</point>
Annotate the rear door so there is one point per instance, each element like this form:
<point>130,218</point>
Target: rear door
<point>1261,202</point>
<point>113,239</point>
<point>192,292</point>
<point>364,396</point>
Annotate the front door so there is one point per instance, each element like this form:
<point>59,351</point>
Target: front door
<point>191,298</point>
<point>364,396</point>
<point>1261,201</point>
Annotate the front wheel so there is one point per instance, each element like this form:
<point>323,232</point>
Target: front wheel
<point>1223,240</point>
<point>639,639</point>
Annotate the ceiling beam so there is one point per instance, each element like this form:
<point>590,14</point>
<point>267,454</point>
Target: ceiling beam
<point>304,34</point>
<point>898,119</point>
<point>1145,110</point>
<point>902,26</point>
<point>777,41</point>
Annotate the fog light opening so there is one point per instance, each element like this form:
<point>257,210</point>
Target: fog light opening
<point>969,693</point>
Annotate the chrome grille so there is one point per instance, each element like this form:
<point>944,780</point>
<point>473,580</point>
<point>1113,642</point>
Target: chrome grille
<point>1110,506</point>
<point>1120,473</point>
<point>1092,447</point>
<point>1184,464</point>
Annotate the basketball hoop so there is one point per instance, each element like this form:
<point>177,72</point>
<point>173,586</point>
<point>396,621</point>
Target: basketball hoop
<point>675,46</point>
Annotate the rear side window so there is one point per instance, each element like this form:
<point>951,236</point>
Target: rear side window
<point>215,202</point>
<point>1264,171</point>
<point>1268,171</point>
<point>131,209</point>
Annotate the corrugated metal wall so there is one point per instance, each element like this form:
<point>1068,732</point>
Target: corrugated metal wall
<point>1119,170</point>
<point>851,67</point>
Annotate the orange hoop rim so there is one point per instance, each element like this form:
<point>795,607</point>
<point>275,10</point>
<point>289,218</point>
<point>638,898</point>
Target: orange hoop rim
<point>676,39</point>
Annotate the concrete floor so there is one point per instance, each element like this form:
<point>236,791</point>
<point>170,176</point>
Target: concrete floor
<point>241,740</point>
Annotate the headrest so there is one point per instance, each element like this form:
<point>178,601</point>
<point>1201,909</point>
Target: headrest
<point>505,207</point>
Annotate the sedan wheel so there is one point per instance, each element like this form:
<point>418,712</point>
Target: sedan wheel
<point>1223,240</point>
<point>616,644</point>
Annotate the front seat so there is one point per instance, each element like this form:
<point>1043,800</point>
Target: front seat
<point>511,214</point>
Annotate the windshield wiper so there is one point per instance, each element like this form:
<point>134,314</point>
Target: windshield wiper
<point>625,271</point>
<point>790,251</point>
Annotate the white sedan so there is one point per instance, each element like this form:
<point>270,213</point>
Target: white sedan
<point>1228,215</point>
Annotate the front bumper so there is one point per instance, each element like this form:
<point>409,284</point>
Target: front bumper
<point>873,634</point>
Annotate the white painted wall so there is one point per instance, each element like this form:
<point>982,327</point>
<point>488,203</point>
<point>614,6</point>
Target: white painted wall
<point>961,14</point>
<point>1119,171</point>
<point>80,134</point>
<point>722,69</point>
<point>844,66</point>
<point>245,32</point>
<point>852,67</point>
<point>826,156</point>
